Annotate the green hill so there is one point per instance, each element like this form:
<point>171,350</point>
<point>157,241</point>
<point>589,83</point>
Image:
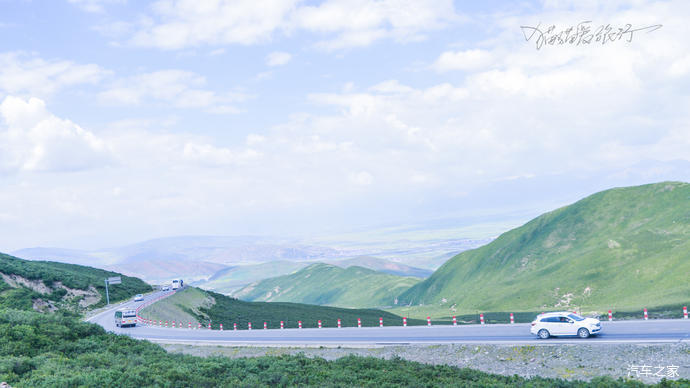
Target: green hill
<point>232,279</point>
<point>623,248</point>
<point>325,284</point>
<point>198,306</point>
<point>48,286</point>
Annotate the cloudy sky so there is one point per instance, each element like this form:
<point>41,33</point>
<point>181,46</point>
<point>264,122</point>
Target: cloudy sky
<point>124,120</point>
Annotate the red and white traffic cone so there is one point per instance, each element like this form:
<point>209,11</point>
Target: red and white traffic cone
<point>685,312</point>
<point>209,325</point>
<point>249,325</point>
<point>160,323</point>
<point>299,324</point>
<point>319,324</point>
<point>339,326</point>
<point>190,326</point>
<point>455,321</point>
<point>166,323</point>
<point>428,321</point>
<point>645,314</point>
<point>359,322</point>
<point>173,324</point>
<point>512,320</point>
<point>282,325</point>
<point>481,318</point>
<point>221,327</point>
<point>610,316</point>
<point>234,326</point>
<point>404,321</point>
<point>265,325</point>
<point>381,322</point>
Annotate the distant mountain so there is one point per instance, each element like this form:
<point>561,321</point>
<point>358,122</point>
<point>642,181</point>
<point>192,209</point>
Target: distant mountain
<point>232,279</point>
<point>620,248</point>
<point>187,257</point>
<point>383,265</point>
<point>325,284</point>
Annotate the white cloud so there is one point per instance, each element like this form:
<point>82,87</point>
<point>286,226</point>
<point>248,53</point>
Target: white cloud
<point>181,89</point>
<point>96,6</point>
<point>27,74</point>
<point>463,60</point>
<point>178,24</point>
<point>278,58</point>
<point>35,140</point>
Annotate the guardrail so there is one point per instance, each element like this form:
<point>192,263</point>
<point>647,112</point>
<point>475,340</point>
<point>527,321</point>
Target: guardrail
<point>179,324</point>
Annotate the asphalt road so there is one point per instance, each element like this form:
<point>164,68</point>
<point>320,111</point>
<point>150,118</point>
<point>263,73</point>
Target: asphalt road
<point>652,331</point>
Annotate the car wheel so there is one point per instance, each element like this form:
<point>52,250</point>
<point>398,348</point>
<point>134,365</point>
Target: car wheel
<point>583,333</point>
<point>543,334</point>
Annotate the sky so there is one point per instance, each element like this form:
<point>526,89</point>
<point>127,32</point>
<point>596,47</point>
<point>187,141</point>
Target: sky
<point>125,120</point>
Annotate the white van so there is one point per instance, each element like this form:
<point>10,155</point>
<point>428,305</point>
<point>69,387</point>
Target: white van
<point>125,317</point>
<point>175,284</point>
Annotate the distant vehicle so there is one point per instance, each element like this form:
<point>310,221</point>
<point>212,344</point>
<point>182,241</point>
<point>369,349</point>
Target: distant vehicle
<point>125,317</point>
<point>138,297</point>
<point>176,284</point>
<point>165,288</point>
<point>564,323</point>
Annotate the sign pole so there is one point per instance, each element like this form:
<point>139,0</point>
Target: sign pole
<point>107,295</point>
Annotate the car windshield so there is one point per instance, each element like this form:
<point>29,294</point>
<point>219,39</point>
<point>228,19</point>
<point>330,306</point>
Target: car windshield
<point>576,317</point>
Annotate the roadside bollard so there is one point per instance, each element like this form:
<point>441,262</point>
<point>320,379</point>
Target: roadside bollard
<point>381,322</point>
<point>404,321</point>
<point>299,324</point>
<point>455,321</point>
<point>282,325</point>
<point>610,316</point>
<point>199,327</point>
<point>190,326</point>
<point>319,323</point>
<point>249,326</point>
<point>512,320</point>
<point>481,318</point>
<point>340,326</point>
<point>265,326</point>
<point>209,325</point>
<point>645,314</point>
<point>234,326</point>
<point>359,322</point>
<point>685,312</point>
<point>173,324</point>
<point>221,327</point>
<point>428,321</point>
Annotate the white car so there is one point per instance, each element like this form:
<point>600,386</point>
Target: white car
<point>564,323</point>
<point>138,298</point>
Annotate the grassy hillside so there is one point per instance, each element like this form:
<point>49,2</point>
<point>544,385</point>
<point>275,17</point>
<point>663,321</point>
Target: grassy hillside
<point>232,279</point>
<point>383,265</point>
<point>26,284</point>
<point>206,305</point>
<point>325,284</point>
<point>623,249</point>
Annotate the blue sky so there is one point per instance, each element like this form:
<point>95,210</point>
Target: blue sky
<point>125,120</point>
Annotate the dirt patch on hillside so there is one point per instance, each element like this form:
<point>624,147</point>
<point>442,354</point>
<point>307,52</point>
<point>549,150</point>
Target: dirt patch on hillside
<point>16,281</point>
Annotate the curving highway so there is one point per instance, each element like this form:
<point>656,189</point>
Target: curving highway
<point>652,331</point>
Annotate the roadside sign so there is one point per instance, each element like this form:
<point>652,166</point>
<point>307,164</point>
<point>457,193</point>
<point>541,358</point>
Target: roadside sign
<point>115,280</point>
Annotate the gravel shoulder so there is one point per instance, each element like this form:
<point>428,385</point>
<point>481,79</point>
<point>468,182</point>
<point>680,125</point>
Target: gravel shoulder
<point>572,362</point>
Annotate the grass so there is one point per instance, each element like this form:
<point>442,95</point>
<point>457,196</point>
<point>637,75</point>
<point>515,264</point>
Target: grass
<point>70,275</point>
<point>621,249</point>
<point>227,310</point>
<point>324,284</point>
